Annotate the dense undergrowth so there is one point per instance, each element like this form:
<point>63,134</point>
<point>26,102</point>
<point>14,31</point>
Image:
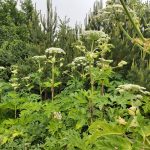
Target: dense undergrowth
<point>50,103</point>
<point>94,111</point>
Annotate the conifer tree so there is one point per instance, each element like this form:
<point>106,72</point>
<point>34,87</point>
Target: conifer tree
<point>49,24</point>
<point>66,37</point>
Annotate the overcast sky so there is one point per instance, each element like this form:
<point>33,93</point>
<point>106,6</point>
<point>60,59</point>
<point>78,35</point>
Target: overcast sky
<point>74,9</point>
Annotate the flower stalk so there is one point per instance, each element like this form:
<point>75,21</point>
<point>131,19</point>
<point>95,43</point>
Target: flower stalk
<point>53,78</point>
<point>132,21</point>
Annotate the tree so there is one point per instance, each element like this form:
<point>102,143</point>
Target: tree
<point>50,24</point>
<point>66,36</point>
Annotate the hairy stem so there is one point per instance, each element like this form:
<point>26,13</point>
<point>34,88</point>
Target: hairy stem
<point>102,88</point>
<point>15,111</point>
<point>124,31</point>
<point>132,21</point>
<point>53,79</point>
<point>91,79</point>
<point>40,88</point>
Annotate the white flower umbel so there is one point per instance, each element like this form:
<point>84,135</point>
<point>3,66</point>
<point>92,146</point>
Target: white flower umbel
<point>139,97</point>
<point>95,35</point>
<point>79,60</point>
<point>15,85</point>
<point>121,121</point>
<point>133,88</point>
<point>105,60</point>
<point>14,78</point>
<point>42,57</point>
<point>2,68</point>
<point>54,50</point>
<point>122,63</point>
<point>57,115</point>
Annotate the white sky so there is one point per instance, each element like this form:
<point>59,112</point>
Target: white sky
<point>74,9</point>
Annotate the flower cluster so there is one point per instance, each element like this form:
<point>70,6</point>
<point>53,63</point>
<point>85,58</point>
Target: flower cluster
<point>94,35</point>
<point>43,57</point>
<point>15,85</point>
<point>103,62</point>
<point>79,61</point>
<point>91,56</point>
<point>57,115</point>
<point>132,88</point>
<point>2,68</point>
<point>14,79</point>
<point>122,63</point>
<point>139,97</point>
<point>54,50</point>
<point>133,111</point>
<point>14,69</point>
<point>121,121</point>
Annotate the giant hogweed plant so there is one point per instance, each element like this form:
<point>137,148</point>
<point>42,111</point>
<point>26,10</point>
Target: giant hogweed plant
<point>43,76</point>
<point>53,54</point>
<point>51,57</point>
<point>134,30</point>
<point>93,44</point>
<point>39,73</point>
<point>92,65</point>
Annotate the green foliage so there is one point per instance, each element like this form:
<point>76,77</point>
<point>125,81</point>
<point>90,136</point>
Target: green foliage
<point>93,106</point>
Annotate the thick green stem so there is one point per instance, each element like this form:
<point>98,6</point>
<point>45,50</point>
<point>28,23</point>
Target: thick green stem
<point>92,91</point>
<point>124,31</point>
<point>90,69</point>
<point>132,21</point>
<point>15,112</point>
<point>102,82</point>
<point>91,79</point>
<point>40,88</point>
<point>92,46</point>
<point>102,88</point>
<point>130,38</point>
<point>40,91</point>
<point>53,79</point>
<point>91,108</point>
<point>148,141</point>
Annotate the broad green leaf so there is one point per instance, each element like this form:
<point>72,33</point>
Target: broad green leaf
<point>102,128</point>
